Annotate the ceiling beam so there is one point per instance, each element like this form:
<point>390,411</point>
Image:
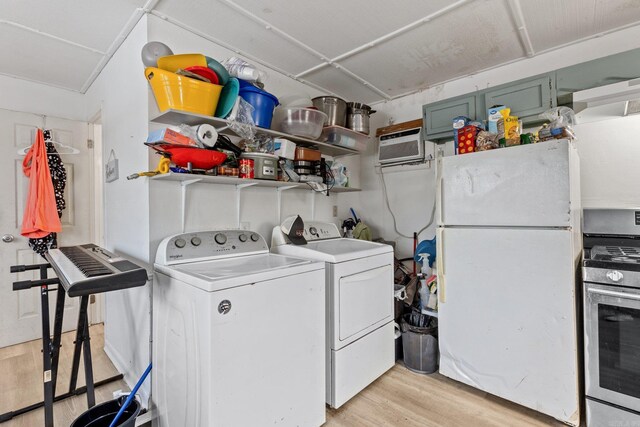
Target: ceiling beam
<point>115,45</point>
<point>50,36</point>
<point>518,18</point>
<point>388,36</point>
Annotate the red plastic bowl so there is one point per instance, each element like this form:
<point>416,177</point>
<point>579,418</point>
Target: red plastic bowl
<point>205,72</point>
<point>199,158</point>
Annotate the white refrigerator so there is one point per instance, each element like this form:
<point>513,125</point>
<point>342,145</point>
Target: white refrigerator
<point>509,246</point>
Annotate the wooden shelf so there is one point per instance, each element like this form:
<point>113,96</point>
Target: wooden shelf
<point>176,117</point>
<point>229,180</point>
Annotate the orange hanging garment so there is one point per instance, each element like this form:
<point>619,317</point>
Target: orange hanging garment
<point>40,214</point>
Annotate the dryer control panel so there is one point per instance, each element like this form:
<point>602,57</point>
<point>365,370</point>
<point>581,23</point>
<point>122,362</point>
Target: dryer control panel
<point>209,245</point>
<point>314,230</point>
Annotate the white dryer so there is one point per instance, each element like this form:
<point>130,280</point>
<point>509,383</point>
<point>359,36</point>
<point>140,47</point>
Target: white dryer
<point>360,332</point>
<point>238,333</point>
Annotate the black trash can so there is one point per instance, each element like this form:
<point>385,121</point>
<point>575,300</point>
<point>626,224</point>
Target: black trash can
<point>419,345</point>
<point>101,415</point>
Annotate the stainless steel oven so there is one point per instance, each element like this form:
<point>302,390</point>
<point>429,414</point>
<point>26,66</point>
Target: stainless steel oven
<point>612,327</point>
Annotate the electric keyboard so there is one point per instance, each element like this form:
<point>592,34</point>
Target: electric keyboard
<point>89,269</point>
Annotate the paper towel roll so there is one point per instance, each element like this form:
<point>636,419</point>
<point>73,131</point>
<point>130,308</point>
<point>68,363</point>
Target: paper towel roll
<point>206,135</point>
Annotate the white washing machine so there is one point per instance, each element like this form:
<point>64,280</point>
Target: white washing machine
<point>360,332</point>
<point>238,333</point>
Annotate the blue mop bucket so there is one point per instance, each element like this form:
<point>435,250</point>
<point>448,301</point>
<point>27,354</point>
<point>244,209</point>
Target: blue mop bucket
<point>263,104</point>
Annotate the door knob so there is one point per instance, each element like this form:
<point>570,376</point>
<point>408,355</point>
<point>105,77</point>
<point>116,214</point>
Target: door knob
<point>7,238</point>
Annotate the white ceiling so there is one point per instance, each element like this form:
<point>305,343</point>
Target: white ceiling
<point>362,50</point>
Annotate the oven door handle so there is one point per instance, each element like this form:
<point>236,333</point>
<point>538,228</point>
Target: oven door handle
<point>614,294</point>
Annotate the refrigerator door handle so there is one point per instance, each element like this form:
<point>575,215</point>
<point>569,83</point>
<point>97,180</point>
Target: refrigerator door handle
<point>439,189</point>
<point>440,265</point>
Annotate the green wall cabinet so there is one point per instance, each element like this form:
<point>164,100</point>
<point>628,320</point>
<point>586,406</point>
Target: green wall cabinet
<point>437,117</point>
<point>527,99</point>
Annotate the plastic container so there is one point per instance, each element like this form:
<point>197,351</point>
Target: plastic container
<point>173,63</point>
<point>182,93</point>
<point>308,154</point>
<point>344,137</point>
<point>101,415</point>
<point>304,122</point>
<point>263,104</point>
<point>419,347</point>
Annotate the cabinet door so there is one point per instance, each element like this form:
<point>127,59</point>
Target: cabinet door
<point>526,99</point>
<point>438,117</point>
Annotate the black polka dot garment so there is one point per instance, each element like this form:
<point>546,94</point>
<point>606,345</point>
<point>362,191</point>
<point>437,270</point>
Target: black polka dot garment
<point>59,179</point>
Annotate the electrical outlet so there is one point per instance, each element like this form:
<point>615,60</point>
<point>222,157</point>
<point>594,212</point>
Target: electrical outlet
<point>335,211</point>
<point>245,225</point>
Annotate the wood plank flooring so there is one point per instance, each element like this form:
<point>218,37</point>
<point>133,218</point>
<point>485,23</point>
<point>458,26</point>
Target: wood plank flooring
<point>403,398</point>
<point>398,398</point>
<point>21,379</point>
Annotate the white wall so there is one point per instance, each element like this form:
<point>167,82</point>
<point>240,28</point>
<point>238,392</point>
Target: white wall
<point>30,97</point>
<point>412,193</point>
<point>609,163</point>
<point>214,206</point>
<point>120,94</point>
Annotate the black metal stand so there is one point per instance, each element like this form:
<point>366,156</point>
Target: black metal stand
<point>51,346</point>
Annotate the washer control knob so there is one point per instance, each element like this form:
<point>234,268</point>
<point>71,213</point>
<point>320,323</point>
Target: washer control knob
<point>313,231</point>
<point>242,237</point>
<point>221,239</point>
<point>180,243</point>
<point>255,237</point>
<point>614,275</point>
<point>195,241</point>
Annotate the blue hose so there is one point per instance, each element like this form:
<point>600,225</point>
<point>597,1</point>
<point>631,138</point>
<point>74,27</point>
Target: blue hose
<point>131,396</point>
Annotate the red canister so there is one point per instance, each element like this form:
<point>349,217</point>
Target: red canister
<point>246,168</point>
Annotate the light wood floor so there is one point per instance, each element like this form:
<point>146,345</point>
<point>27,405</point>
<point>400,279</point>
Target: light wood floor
<point>21,380</point>
<point>404,398</point>
<point>398,398</point>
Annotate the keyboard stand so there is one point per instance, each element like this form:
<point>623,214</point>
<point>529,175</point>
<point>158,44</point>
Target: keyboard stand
<point>51,346</point>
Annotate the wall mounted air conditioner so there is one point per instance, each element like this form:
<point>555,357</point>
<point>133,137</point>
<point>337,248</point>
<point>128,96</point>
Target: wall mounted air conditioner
<point>405,146</point>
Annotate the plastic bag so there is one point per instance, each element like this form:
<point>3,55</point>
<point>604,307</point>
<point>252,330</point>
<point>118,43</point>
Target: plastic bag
<point>561,122</point>
<point>260,143</point>
<point>243,124</point>
<point>340,174</point>
<point>243,70</point>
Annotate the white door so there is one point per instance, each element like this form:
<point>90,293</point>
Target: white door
<point>507,324</point>
<point>20,319</point>
<point>533,185</point>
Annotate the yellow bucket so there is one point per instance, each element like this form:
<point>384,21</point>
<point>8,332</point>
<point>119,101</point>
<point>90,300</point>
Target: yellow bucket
<point>182,93</point>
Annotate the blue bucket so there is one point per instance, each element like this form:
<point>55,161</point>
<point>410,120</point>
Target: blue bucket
<point>263,104</point>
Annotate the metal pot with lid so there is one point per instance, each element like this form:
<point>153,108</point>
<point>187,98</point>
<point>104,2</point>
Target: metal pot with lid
<point>335,109</point>
<point>358,117</point>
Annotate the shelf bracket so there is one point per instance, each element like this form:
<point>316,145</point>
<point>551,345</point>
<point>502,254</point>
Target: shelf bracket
<point>239,188</point>
<point>184,185</point>
<point>279,191</point>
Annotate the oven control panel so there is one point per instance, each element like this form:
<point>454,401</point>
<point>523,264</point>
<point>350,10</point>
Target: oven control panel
<point>209,245</point>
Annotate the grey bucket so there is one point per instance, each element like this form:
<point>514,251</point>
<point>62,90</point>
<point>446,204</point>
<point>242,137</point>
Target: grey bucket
<point>420,348</point>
